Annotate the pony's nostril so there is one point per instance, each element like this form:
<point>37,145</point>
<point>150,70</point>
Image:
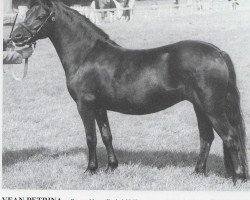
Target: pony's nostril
<point>18,36</point>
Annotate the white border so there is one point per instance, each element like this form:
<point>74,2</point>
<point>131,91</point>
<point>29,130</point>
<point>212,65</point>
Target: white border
<point>104,195</point>
<point>125,195</point>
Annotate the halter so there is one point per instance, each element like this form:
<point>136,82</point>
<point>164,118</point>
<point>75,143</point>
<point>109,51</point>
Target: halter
<point>34,33</point>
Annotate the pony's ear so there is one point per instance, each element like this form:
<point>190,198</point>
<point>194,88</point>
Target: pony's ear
<point>33,3</point>
<point>47,3</point>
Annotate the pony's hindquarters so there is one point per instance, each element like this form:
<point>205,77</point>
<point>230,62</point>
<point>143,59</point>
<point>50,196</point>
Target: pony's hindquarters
<point>210,84</point>
<point>225,115</point>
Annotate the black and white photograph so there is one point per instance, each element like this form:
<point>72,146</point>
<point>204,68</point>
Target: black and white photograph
<point>147,96</point>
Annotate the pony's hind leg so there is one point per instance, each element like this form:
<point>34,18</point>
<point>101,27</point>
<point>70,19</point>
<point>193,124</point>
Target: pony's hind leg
<point>103,124</point>
<point>231,142</point>
<point>235,118</point>
<point>206,139</point>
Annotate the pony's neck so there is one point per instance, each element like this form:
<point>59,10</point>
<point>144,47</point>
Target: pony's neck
<point>73,37</point>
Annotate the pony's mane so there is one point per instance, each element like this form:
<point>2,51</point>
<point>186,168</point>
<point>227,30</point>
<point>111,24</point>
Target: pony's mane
<point>84,19</point>
<point>34,3</point>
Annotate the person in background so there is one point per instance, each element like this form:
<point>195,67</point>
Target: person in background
<point>199,4</point>
<point>176,4</point>
<point>14,57</point>
<point>235,3</point>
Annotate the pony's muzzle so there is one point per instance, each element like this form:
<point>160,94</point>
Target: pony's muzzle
<point>19,35</point>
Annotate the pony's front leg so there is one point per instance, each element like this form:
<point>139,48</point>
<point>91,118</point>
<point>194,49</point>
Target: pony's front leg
<point>103,124</point>
<point>87,114</point>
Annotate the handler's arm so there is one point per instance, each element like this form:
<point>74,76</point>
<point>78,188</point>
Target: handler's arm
<point>12,57</point>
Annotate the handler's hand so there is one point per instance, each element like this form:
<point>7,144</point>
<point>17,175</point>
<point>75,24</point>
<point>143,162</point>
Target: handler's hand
<point>26,52</point>
<point>6,40</point>
<point>9,44</point>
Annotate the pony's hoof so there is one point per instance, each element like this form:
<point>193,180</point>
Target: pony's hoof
<point>239,178</point>
<point>201,172</point>
<point>244,180</point>
<point>111,167</point>
<point>90,171</point>
<point>109,170</point>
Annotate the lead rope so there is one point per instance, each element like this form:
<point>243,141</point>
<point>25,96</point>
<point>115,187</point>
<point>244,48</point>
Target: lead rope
<point>26,64</point>
<point>25,71</point>
<point>25,68</point>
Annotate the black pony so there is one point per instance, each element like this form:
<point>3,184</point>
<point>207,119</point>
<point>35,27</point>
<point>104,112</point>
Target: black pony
<point>103,76</point>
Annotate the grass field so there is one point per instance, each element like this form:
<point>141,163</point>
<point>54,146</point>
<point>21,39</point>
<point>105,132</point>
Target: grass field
<point>44,144</point>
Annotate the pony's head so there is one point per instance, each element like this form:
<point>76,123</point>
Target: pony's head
<point>38,23</point>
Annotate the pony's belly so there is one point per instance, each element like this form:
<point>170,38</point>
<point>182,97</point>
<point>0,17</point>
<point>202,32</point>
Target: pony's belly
<point>149,104</point>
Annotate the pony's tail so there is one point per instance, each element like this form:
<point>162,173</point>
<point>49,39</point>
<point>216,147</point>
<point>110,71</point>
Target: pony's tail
<point>234,114</point>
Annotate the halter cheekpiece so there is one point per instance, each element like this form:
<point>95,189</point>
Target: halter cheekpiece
<point>33,33</point>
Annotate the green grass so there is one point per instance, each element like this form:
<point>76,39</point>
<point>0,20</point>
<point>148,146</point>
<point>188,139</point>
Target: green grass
<point>44,144</point>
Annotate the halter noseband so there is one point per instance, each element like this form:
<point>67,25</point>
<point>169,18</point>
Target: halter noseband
<point>33,33</point>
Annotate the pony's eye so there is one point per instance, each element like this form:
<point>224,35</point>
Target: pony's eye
<point>40,17</point>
